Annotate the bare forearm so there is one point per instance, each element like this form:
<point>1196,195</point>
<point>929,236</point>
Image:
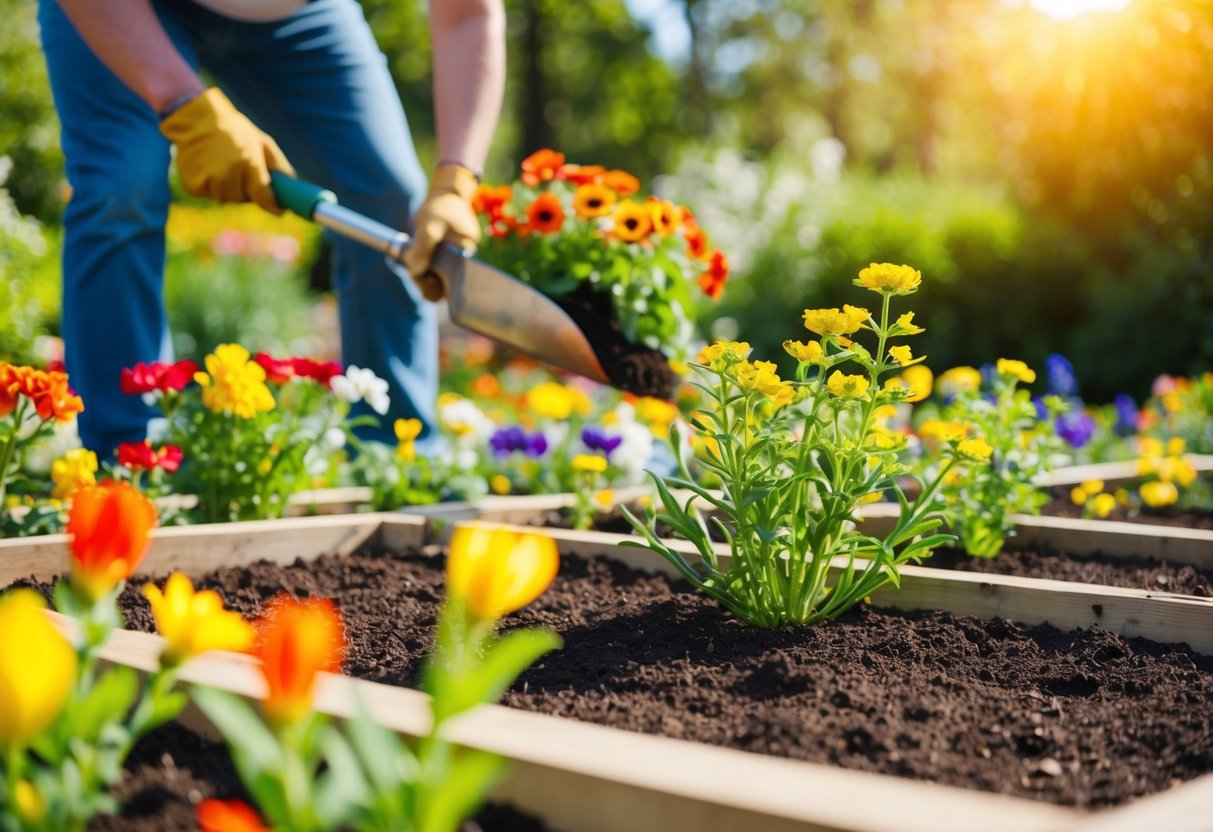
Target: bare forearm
<point>469,76</point>
<point>128,38</point>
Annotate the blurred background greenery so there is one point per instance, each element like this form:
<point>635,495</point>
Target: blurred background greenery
<point>1050,172</point>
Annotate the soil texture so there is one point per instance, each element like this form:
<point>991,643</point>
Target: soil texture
<point>631,367</point>
<point>1083,718</point>
<point>1062,506</point>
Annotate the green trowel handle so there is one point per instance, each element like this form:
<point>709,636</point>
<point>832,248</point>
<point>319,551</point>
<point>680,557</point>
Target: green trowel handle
<point>299,195</point>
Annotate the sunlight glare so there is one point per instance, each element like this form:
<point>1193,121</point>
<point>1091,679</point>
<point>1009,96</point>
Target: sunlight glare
<point>1066,9</point>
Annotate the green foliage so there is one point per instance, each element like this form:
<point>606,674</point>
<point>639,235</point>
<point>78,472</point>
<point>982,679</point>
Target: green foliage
<point>29,277</point>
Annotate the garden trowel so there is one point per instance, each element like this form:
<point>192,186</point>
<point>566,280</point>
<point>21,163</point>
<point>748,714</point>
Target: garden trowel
<point>479,297</point>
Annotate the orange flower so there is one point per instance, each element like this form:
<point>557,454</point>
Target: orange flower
<point>8,389</point>
<point>632,222</point>
<point>228,816</point>
<point>664,215</point>
<point>502,226</point>
<point>593,201</point>
<point>546,214</point>
<point>697,240</point>
<point>108,530</point>
<point>297,639</point>
<point>621,182</point>
<point>714,278</point>
<point>582,174</point>
<point>541,166</point>
<point>486,386</point>
<point>490,199</point>
<point>48,391</point>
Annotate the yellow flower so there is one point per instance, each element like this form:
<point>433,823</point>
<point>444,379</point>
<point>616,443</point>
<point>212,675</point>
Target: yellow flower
<point>721,354</point>
<point>976,448</point>
<point>1148,446</point>
<point>1158,494</point>
<point>833,322</point>
<point>407,431</point>
<point>810,353</point>
<point>940,430</point>
<point>605,498</point>
<point>192,622</point>
<point>1175,469</point>
<point>495,571</point>
<point>870,497</point>
<point>959,380</point>
<point>234,384</point>
<point>74,470</point>
<point>1172,403</point>
<point>1011,367</point>
<point>632,222</point>
<point>589,463</point>
<point>1079,495</point>
<point>761,377</point>
<point>847,386</point>
<point>657,414</point>
<point>916,380</point>
<point>1093,486</point>
<point>592,200</point>
<point>1102,505</point>
<point>500,484</point>
<point>905,325</point>
<point>887,278</point>
<point>552,400</point>
<point>29,803</point>
<point>1175,446</point>
<point>902,355</point>
<point>37,667</point>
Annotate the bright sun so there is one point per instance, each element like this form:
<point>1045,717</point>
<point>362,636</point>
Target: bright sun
<point>1065,9</point>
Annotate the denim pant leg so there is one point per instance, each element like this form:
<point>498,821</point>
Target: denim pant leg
<point>113,247</point>
<point>319,85</point>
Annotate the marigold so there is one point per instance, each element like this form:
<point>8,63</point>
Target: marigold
<point>541,166</point>
<point>621,182</point>
<point>296,639</point>
<point>889,279</point>
<point>1018,369</point>
<point>847,386</point>
<point>1157,494</point>
<point>975,448</point>
<point>810,353</point>
<point>495,571</point>
<point>109,528</point>
<point>193,623</point>
<point>833,322</point>
<point>233,383</point>
<point>546,214</point>
<point>37,667</point>
<point>713,279</point>
<point>47,390</point>
<point>632,222</point>
<point>74,470</point>
<point>592,200</point>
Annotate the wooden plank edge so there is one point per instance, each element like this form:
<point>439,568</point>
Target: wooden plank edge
<point>1109,472</point>
<point>626,780</point>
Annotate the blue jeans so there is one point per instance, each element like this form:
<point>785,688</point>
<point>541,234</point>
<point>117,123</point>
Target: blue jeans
<point>318,84</point>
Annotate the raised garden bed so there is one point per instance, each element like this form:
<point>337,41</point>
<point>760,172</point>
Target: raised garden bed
<point>584,776</point>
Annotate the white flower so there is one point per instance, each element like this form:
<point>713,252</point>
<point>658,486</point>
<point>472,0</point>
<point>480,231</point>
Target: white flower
<point>362,385</point>
<point>466,421</point>
<point>63,438</point>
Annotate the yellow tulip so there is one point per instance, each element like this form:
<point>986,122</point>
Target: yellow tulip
<point>37,667</point>
<point>495,571</point>
<point>194,622</point>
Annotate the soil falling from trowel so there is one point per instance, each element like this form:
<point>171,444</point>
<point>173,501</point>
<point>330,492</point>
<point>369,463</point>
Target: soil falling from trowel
<point>633,368</point>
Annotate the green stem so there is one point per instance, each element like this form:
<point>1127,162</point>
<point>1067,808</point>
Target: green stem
<point>10,449</point>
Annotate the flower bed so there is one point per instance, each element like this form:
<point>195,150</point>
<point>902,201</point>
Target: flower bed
<point>682,785</point>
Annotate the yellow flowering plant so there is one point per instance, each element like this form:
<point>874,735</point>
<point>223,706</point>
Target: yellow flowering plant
<point>66,723</point>
<point>795,458</point>
<point>253,429</point>
<point>1018,441</point>
<point>1166,481</point>
<point>309,774</point>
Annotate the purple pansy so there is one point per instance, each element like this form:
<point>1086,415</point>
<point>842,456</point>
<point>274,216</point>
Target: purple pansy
<point>1076,427</point>
<point>1126,414</point>
<point>1059,373</point>
<point>597,439</point>
<point>506,441</point>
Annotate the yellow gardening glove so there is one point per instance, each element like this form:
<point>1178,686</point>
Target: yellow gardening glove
<point>221,154</point>
<point>446,215</point>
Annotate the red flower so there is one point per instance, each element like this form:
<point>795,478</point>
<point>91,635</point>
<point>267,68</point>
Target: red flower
<point>295,641</point>
<point>228,816</point>
<point>144,378</point>
<point>108,530</point>
<point>546,214</point>
<point>491,199</point>
<point>541,166</point>
<point>321,372</point>
<point>712,281</point>
<point>282,370</point>
<point>139,456</point>
<point>277,370</point>
<point>582,174</point>
<point>697,240</point>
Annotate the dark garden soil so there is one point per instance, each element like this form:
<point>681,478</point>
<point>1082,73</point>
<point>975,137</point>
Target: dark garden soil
<point>173,769</point>
<point>1063,506</point>
<point>631,367</point>
<point>1094,568</point>
<point>1082,718</point>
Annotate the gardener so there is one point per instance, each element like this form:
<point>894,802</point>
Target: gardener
<point>124,74</point>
